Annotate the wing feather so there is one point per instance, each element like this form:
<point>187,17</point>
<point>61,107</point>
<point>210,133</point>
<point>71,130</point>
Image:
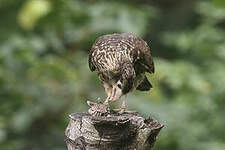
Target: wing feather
<point>143,56</point>
<point>141,53</point>
<point>90,60</point>
<point>93,54</point>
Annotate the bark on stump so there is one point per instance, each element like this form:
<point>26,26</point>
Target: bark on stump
<point>114,132</point>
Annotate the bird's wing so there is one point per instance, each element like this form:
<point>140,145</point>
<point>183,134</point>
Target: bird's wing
<point>143,56</point>
<point>92,54</point>
<point>90,61</point>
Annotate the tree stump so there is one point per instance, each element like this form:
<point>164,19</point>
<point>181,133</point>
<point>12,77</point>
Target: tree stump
<point>113,132</point>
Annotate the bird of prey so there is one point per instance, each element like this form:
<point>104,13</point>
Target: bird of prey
<point>121,61</point>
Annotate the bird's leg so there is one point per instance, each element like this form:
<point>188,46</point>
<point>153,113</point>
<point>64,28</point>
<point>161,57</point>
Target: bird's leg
<point>107,99</point>
<point>123,106</point>
<point>122,109</point>
<point>108,91</point>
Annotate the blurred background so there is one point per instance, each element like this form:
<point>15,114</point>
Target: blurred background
<point>44,74</point>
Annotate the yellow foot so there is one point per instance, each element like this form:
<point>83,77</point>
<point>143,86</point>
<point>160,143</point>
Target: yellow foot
<point>123,110</point>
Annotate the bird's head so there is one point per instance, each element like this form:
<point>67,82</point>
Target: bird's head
<point>124,83</point>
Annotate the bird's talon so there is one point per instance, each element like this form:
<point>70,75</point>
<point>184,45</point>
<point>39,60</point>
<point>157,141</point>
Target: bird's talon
<point>123,110</point>
<point>120,110</point>
<point>106,103</point>
<point>99,100</point>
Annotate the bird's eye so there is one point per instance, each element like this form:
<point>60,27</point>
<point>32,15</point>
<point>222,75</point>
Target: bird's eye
<point>119,85</point>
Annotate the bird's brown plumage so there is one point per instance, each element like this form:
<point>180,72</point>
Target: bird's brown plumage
<point>122,56</point>
<point>107,46</point>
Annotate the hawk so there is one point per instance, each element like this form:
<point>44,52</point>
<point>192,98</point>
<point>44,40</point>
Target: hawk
<point>121,61</point>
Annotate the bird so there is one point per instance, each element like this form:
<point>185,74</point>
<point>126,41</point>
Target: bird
<point>121,61</point>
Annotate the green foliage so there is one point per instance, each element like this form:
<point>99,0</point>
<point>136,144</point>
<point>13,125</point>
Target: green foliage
<point>44,74</point>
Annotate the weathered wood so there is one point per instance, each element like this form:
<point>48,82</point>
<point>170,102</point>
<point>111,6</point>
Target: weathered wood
<point>112,132</point>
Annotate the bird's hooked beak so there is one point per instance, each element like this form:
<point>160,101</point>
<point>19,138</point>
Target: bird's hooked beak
<point>116,93</point>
